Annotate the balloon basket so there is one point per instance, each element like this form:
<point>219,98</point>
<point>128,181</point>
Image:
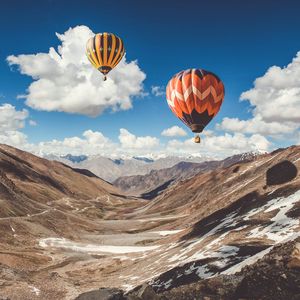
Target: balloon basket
<point>197,139</point>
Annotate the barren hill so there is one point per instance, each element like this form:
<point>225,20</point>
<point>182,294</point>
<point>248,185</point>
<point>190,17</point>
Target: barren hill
<point>150,185</point>
<point>65,232</point>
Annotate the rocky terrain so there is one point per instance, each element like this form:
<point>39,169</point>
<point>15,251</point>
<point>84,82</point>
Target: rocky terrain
<point>276,275</point>
<point>150,185</point>
<point>68,234</point>
<point>112,168</point>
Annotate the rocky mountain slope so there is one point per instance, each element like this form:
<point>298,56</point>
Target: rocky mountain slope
<point>41,198</point>
<point>39,184</point>
<point>274,276</point>
<point>150,185</point>
<point>214,235</point>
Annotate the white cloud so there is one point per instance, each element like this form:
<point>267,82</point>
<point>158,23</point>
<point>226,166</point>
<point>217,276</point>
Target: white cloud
<point>11,121</point>
<point>236,143</point>
<point>221,146</point>
<point>157,90</point>
<point>91,143</point>
<point>32,123</point>
<point>276,95</point>
<point>64,80</point>
<point>14,138</point>
<point>95,143</point>
<point>174,131</point>
<point>257,125</point>
<point>130,141</point>
<point>275,99</point>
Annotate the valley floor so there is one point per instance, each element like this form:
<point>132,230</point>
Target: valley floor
<point>204,233</point>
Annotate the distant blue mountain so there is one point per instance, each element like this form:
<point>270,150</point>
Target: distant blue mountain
<point>118,161</point>
<point>145,159</point>
<point>75,158</point>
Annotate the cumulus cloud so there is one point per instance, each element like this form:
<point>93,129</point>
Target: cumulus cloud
<point>276,95</point>
<point>157,90</point>
<point>91,143</point>
<point>32,123</point>
<point>275,99</point>
<point>130,141</point>
<point>174,131</point>
<point>11,119</point>
<point>221,146</point>
<point>257,125</point>
<point>14,138</point>
<point>237,143</point>
<point>11,122</point>
<point>64,79</point>
<point>95,143</point>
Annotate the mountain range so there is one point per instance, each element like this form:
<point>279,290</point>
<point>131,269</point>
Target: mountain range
<point>150,185</point>
<point>220,230</point>
<point>111,168</point>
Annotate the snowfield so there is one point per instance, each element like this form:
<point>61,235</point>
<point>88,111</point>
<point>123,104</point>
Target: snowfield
<point>89,248</point>
<point>226,258</point>
<point>167,232</point>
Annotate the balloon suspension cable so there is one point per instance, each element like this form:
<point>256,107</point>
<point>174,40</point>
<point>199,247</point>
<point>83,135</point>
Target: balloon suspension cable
<point>104,78</point>
<point>197,139</point>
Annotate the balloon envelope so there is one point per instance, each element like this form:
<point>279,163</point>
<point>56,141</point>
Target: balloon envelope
<point>195,97</point>
<point>104,51</point>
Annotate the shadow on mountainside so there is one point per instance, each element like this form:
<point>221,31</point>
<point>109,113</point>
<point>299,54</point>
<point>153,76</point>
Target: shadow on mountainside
<point>152,194</point>
<point>280,173</point>
<point>241,206</point>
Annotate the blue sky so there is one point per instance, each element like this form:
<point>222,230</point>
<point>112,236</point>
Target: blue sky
<point>237,40</point>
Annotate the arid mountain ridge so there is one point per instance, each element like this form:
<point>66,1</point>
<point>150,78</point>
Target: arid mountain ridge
<point>112,168</point>
<point>150,185</point>
<point>66,232</point>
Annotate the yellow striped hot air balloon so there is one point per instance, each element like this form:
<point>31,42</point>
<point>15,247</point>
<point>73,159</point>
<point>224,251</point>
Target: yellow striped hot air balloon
<point>104,51</point>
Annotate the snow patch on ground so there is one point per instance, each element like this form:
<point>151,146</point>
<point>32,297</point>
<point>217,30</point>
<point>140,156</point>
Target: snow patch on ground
<point>185,257</point>
<point>161,218</point>
<point>90,248</point>
<point>211,244</point>
<point>248,261</point>
<point>13,230</point>
<point>254,258</point>
<point>246,169</point>
<point>167,232</point>
<point>127,287</point>
<point>282,226</point>
<point>35,290</point>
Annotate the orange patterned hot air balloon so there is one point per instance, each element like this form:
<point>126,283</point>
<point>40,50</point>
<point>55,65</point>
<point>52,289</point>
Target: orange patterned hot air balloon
<point>195,97</point>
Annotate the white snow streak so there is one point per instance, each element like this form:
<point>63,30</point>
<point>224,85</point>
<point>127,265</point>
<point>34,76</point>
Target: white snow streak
<point>282,226</point>
<point>167,232</point>
<point>35,290</point>
<point>89,248</point>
